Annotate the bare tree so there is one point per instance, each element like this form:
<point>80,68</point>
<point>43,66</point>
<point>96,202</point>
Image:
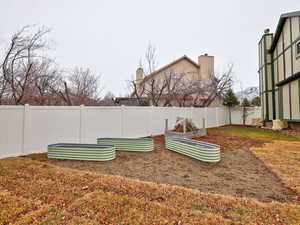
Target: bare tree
<point>137,90</point>
<point>46,82</point>
<point>81,87</point>
<point>150,59</point>
<point>108,99</point>
<point>197,92</point>
<point>245,96</point>
<point>29,76</point>
<point>173,88</point>
<point>217,86</point>
<point>3,88</point>
<point>153,88</point>
<point>159,90</point>
<point>183,89</point>
<point>25,48</point>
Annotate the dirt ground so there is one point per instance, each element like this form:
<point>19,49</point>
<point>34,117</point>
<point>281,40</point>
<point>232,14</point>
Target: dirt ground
<point>239,173</point>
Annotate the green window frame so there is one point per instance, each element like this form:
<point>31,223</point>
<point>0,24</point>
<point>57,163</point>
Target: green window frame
<point>297,49</point>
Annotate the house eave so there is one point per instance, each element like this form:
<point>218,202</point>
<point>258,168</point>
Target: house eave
<point>279,28</point>
<point>168,65</point>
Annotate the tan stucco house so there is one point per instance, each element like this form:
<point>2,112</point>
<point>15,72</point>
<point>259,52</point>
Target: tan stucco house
<point>203,71</point>
<point>279,70</point>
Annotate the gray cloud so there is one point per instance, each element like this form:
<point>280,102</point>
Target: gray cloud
<point>111,36</point>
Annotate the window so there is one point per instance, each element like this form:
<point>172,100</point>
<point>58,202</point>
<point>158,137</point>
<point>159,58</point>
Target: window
<point>298,50</point>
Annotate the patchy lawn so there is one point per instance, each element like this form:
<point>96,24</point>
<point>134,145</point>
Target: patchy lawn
<point>239,173</point>
<point>33,192</point>
<point>257,134</point>
<point>283,157</point>
<point>280,151</point>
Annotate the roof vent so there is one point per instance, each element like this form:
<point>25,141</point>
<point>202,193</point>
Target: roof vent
<point>206,54</point>
<point>267,31</point>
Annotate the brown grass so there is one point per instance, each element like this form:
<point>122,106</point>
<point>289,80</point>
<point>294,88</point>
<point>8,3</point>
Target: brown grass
<point>283,157</point>
<point>33,192</point>
<point>12,207</point>
<point>239,173</point>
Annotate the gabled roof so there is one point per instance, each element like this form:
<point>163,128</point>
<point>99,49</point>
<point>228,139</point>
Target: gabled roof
<point>168,65</point>
<point>279,28</point>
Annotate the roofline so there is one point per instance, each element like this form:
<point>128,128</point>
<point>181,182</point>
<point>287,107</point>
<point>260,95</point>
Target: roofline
<point>279,28</point>
<point>267,34</point>
<point>168,65</point>
<point>127,98</point>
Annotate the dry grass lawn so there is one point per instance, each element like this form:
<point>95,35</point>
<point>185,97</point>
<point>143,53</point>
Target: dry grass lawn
<point>280,150</point>
<point>282,157</point>
<point>239,173</point>
<point>33,192</point>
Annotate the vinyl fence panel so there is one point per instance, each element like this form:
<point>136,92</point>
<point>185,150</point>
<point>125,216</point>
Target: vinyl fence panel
<point>11,130</point>
<point>101,122</point>
<point>29,129</point>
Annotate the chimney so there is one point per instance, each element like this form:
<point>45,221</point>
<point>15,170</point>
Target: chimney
<point>206,64</point>
<point>139,75</point>
<point>266,31</point>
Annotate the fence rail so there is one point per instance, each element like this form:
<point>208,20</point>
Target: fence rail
<point>29,129</point>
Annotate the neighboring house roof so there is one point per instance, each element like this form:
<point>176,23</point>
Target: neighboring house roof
<point>131,101</point>
<point>279,28</point>
<point>168,65</point>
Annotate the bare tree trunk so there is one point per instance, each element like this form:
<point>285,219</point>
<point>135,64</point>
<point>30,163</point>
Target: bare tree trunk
<point>69,102</point>
<point>229,115</point>
<point>244,115</point>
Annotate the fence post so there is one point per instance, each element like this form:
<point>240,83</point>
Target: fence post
<point>122,120</point>
<point>25,127</point>
<point>175,117</point>
<point>205,117</point>
<point>166,126</point>
<point>228,114</point>
<point>151,120</point>
<point>217,116</point>
<point>81,124</point>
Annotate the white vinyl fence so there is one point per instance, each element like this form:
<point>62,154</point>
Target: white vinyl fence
<point>251,112</point>
<point>29,129</point>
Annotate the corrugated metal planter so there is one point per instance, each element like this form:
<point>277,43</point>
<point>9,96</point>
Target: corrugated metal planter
<point>90,152</point>
<point>202,151</point>
<point>129,144</point>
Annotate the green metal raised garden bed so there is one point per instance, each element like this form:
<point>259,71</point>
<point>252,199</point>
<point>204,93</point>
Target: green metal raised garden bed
<point>129,144</point>
<point>91,152</point>
<point>200,150</point>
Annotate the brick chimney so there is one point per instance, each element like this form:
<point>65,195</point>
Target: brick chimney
<point>139,75</point>
<point>206,64</point>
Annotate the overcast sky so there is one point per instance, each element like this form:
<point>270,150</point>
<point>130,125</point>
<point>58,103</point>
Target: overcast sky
<point>111,36</point>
